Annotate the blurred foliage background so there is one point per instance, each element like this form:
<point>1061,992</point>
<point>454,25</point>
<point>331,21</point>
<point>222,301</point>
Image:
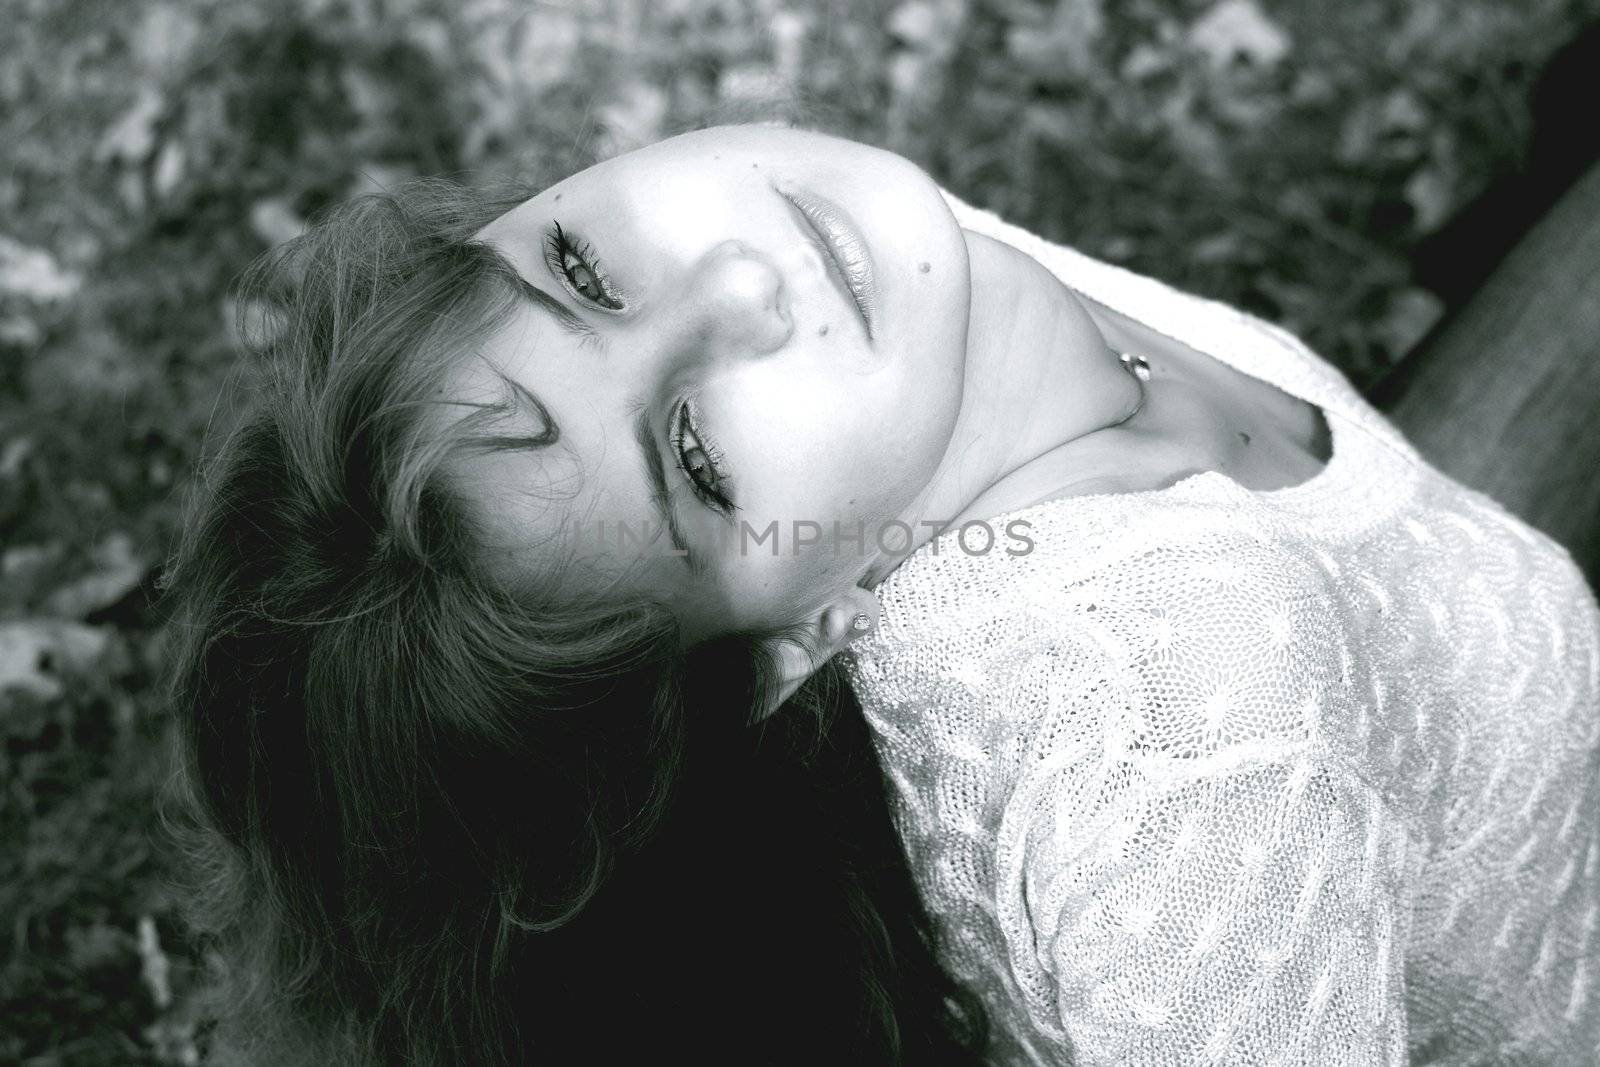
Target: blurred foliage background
<point>1287,156</point>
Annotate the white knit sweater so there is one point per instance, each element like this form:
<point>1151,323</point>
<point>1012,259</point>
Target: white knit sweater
<point>1214,775</point>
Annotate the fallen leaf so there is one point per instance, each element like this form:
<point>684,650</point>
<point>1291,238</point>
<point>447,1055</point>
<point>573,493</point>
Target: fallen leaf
<point>255,323</point>
<point>634,116</point>
<point>1403,111</point>
<point>20,331</point>
<point>169,169</point>
<point>788,30</point>
<point>33,650</point>
<point>1217,248</point>
<point>33,274</point>
<point>155,966</point>
<point>132,137</point>
<point>1064,51</point>
<point>15,453</point>
<point>751,82</point>
<point>1313,87</point>
<point>1410,314</point>
<point>91,361</point>
<point>275,220</point>
<point>22,560</point>
<point>95,945</point>
<point>1432,195</point>
<point>1119,246</point>
<point>164,37</point>
<point>373,176</point>
<point>1198,140</point>
<point>1239,28</point>
<point>117,571</point>
<point>1388,128</point>
<point>915,23</point>
<point>907,71</point>
<point>1145,60</point>
<point>1248,110</point>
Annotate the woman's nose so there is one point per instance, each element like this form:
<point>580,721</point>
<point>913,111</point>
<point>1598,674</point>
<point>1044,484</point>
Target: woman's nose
<point>740,300</point>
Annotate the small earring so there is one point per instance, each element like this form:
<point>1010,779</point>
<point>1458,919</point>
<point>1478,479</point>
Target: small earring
<point>861,622</point>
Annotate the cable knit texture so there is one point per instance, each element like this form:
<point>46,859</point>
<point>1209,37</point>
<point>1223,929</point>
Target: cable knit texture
<point>1220,776</point>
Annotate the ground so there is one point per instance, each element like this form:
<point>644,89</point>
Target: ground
<point>1288,156</point>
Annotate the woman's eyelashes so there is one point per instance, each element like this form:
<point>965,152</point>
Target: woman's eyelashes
<point>575,263</point>
<point>701,461</point>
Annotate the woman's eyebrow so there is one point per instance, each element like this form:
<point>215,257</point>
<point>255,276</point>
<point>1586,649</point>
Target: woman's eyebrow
<point>568,320</point>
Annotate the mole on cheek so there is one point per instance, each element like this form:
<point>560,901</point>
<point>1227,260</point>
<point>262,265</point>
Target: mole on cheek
<point>822,331</point>
<point>924,267</point>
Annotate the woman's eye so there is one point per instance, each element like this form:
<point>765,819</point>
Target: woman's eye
<point>576,262</point>
<point>701,461</point>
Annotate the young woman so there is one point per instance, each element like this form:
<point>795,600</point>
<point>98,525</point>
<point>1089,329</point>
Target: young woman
<point>1203,720</point>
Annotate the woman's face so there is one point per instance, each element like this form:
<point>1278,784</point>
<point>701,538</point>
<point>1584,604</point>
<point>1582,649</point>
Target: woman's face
<point>687,271</point>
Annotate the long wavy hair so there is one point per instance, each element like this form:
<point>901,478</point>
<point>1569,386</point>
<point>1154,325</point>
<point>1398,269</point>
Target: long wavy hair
<point>436,817</point>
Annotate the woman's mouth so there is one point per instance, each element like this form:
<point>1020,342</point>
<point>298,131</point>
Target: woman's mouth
<point>845,252</point>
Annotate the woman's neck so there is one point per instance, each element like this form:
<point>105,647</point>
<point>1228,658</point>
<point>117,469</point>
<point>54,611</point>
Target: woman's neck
<point>1039,376</point>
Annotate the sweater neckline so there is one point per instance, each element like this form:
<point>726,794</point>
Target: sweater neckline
<point>1162,311</point>
<point>1260,350</point>
<point>1318,485</point>
<point>1338,503</point>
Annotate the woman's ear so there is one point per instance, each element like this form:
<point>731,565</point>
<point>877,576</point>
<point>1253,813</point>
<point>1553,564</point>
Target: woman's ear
<point>844,618</point>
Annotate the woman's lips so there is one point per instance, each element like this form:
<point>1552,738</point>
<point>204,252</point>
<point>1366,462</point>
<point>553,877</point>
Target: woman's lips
<point>845,251</point>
